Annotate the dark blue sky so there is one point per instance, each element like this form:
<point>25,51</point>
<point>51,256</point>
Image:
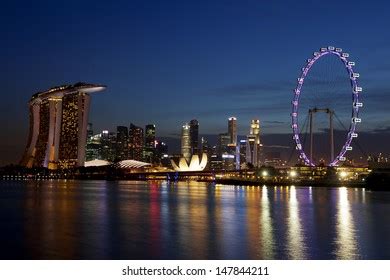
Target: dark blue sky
<point>166,62</point>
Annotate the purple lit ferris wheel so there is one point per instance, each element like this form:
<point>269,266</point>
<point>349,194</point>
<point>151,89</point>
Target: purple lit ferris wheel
<point>355,90</point>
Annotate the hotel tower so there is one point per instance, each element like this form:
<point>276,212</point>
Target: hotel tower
<point>58,126</point>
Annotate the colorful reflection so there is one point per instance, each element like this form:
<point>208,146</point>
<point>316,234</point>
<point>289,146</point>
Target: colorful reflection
<point>190,220</point>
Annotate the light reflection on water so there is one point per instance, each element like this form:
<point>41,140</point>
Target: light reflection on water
<point>190,220</point>
<point>347,247</point>
<point>295,236</point>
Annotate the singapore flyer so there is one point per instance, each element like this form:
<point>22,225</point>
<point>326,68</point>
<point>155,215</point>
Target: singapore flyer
<point>311,101</point>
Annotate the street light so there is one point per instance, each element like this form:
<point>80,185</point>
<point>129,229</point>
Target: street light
<point>343,174</point>
<point>264,173</point>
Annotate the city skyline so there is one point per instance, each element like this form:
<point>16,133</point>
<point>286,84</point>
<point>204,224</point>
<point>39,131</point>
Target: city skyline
<point>183,61</point>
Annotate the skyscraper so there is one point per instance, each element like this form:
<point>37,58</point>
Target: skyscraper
<point>58,126</point>
<point>194,137</point>
<point>122,136</point>
<point>150,136</point>
<point>253,144</point>
<point>89,131</point>
<point>150,143</point>
<point>186,142</point>
<point>242,151</point>
<point>94,148</point>
<point>232,130</point>
<point>223,142</point>
<point>136,142</point>
<point>205,147</point>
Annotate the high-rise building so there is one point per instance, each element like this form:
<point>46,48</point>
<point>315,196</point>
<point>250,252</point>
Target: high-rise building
<point>150,143</point>
<point>88,148</point>
<point>105,145</point>
<point>205,147</point>
<point>232,130</point>
<point>150,136</point>
<point>253,144</point>
<point>58,126</point>
<point>223,142</point>
<point>194,137</point>
<point>94,147</point>
<point>186,142</point>
<point>89,131</point>
<point>108,146</point>
<point>162,153</point>
<point>242,151</point>
<point>136,142</point>
<point>122,137</point>
<point>112,154</point>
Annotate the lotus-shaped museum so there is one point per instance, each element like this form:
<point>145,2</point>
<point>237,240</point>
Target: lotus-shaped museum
<point>193,165</point>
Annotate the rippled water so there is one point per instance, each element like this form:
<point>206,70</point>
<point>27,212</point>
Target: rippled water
<point>190,220</point>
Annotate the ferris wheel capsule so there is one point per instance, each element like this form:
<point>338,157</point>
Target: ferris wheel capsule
<point>339,50</point>
<point>331,48</point>
<point>356,120</point>
<point>351,63</point>
<point>358,89</point>
<point>354,135</point>
<point>348,148</point>
<point>316,53</point>
<point>345,55</point>
<point>358,104</point>
<point>323,49</point>
<point>355,75</point>
<point>342,159</point>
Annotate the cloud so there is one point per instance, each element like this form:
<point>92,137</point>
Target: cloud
<point>245,90</point>
<point>381,130</point>
<point>274,122</point>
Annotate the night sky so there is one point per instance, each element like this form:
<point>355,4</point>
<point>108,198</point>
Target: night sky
<point>167,62</point>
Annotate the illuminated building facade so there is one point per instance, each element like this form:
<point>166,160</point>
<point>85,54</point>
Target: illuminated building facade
<point>186,142</point>
<point>150,136</point>
<point>122,135</point>
<point>223,142</point>
<point>136,142</point>
<point>243,151</point>
<point>58,126</point>
<point>150,143</point>
<point>205,147</point>
<point>253,144</point>
<point>193,164</point>
<point>94,148</point>
<point>194,137</point>
<point>232,130</point>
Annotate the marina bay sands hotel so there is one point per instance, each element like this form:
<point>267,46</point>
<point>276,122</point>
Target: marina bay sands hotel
<point>58,126</point>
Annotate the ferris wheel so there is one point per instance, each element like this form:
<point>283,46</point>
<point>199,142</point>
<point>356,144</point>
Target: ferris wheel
<point>355,105</point>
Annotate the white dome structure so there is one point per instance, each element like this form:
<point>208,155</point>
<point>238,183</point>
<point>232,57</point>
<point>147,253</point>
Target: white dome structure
<point>126,164</point>
<point>193,165</point>
<point>96,162</point>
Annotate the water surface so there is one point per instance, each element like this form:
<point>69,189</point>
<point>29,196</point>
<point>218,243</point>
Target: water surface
<point>190,220</point>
